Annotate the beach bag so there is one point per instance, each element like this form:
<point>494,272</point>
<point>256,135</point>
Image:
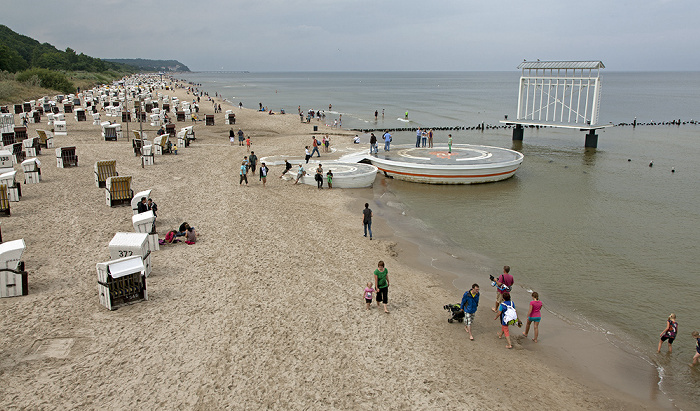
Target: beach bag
<point>510,316</point>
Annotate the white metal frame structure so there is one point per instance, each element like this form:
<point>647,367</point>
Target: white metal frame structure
<point>559,93</point>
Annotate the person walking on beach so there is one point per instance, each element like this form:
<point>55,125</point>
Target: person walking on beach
<point>263,173</point>
<point>252,161</point>
<point>300,173</point>
<point>430,138</point>
<point>368,294</point>
<point>367,220</point>
<point>470,302</point>
<point>534,315</point>
<point>508,316</point>
<point>373,144</point>
<point>376,113</point>
<point>307,154</point>
<point>247,144</point>
<point>504,279</point>
<point>287,167</point>
<point>319,176</point>
<point>315,150</point>
<point>669,333</point>
<point>449,143</point>
<point>243,174</point>
<point>381,284</point>
<point>696,357</point>
<point>387,141</point>
<point>418,136</point>
<point>240,137</point>
<point>231,136</point>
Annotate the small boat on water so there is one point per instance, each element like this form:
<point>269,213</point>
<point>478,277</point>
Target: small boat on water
<point>464,164</point>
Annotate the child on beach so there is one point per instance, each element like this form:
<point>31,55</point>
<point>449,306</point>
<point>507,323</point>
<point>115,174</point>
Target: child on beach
<point>369,293</point>
<point>247,143</point>
<point>329,175</point>
<point>533,315</point>
<point>508,316</point>
<point>449,143</point>
<point>696,357</point>
<point>669,333</point>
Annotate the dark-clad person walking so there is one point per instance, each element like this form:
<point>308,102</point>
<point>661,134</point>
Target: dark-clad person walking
<point>367,220</point>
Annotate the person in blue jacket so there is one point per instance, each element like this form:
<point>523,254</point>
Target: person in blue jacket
<point>470,302</point>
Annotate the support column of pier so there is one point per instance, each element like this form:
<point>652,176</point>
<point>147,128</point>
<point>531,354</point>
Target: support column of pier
<point>591,139</point>
<point>518,132</point>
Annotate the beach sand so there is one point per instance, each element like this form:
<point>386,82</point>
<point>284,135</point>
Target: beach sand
<point>265,311</point>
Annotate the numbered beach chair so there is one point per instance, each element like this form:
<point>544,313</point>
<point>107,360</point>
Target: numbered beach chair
<point>129,245</point>
<point>103,170</point>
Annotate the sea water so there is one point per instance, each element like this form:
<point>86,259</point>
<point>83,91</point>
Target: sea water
<point>607,236</point>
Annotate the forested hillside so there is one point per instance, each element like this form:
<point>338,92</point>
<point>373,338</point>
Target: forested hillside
<point>152,65</point>
<point>19,52</point>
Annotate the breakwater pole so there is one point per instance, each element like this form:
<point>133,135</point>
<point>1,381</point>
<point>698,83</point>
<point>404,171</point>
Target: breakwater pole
<point>591,139</point>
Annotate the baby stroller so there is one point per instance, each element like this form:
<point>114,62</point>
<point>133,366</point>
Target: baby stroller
<point>456,312</point>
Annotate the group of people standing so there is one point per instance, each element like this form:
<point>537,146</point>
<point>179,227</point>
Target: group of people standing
<point>424,137</point>
<point>504,308</point>
<point>250,163</point>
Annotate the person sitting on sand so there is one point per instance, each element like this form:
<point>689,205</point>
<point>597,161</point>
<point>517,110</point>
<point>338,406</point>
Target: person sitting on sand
<point>190,236</point>
<point>183,229</point>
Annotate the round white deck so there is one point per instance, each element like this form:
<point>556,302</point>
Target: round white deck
<point>465,164</point>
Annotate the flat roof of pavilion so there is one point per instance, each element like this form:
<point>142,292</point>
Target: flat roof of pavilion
<point>561,65</point>
<point>582,127</point>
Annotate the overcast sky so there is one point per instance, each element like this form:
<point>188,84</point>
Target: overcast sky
<point>369,35</point>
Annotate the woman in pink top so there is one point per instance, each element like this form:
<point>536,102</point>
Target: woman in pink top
<point>534,315</point>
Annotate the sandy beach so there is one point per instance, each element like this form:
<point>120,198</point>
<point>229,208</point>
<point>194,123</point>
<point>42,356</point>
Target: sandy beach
<point>266,309</point>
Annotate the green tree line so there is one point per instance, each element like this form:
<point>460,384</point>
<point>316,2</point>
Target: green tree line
<point>19,52</point>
